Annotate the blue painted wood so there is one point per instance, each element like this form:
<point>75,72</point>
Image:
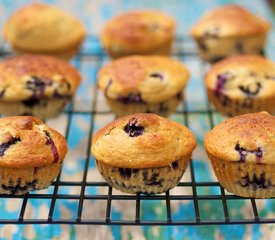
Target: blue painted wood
<point>94,14</point>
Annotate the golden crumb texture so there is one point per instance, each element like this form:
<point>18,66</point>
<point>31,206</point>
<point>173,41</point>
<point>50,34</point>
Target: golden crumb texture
<point>27,142</point>
<point>36,76</point>
<point>155,78</point>
<point>247,138</point>
<point>245,74</point>
<point>138,31</point>
<point>142,141</point>
<point>42,28</point>
<point>229,21</point>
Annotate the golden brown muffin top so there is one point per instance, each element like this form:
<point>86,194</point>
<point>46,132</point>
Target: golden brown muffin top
<point>138,31</point>
<point>137,79</point>
<point>229,21</point>
<point>41,28</point>
<point>27,142</point>
<point>245,138</point>
<point>142,140</point>
<point>27,77</point>
<point>242,76</point>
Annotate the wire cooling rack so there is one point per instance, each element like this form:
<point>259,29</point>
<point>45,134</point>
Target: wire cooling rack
<point>91,51</point>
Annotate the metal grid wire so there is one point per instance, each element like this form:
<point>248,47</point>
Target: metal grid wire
<point>92,50</point>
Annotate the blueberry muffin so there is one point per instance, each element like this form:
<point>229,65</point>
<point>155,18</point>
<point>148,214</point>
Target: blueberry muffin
<point>229,30</point>
<point>138,32</point>
<point>31,154</point>
<point>36,85</point>
<point>143,153</point>
<point>242,84</point>
<point>242,153</point>
<point>143,84</point>
<point>39,28</point>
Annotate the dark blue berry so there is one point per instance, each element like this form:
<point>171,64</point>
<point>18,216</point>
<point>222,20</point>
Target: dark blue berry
<point>244,152</point>
<point>157,75</point>
<point>4,146</point>
<point>53,147</point>
<point>17,189</point>
<point>133,129</point>
<point>247,91</point>
<point>31,102</point>
<point>125,172</point>
<point>256,182</point>
<point>221,80</point>
<point>175,164</point>
<point>131,98</point>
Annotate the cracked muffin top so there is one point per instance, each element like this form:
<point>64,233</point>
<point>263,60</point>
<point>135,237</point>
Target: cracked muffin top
<point>138,31</point>
<point>142,140</point>
<point>229,21</point>
<point>28,142</point>
<point>30,77</point>
<point>149,79</point>
<point>42,28</point>
<point>242,76</point>
<point>245,138</point>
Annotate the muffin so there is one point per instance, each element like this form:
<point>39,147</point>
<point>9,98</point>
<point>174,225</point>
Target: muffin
<point>242,154</point>
<point>39,28</point>
<point>138,32</point>
<point>143,84</point>
<point>143,153</point>
<point>36,85</point>
<point>229,30</point>
<point>31,154</point>
<point>242,84</point>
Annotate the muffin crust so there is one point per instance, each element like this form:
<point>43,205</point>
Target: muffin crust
<point>242,84</point>
<point>138,32</point>
<point>151,79</point>
<point>42,28</point>
<point>142,141</point>
<point>29,77</point>
<point>28,142</point>
<point>229,21</point>
<point>245,138</point>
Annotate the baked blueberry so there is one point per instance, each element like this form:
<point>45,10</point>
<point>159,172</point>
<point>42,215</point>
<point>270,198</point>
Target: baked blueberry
<point>221,80</point>
<point>255,182</point>
<point>131,98</point>
<point>133,129</point>
<point>4,146</point>
<point>157,75</point>
<point>52,144</point>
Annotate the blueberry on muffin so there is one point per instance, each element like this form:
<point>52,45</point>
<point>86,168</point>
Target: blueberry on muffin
<point>242,153</point>
<point>229,30</point>
<point>39,28</point>
<point>143,84</point>
<point>31,154</point>
<point>36,85</point>
<point>143,153</point>
<point>242,84</point>
<point>138,32</point>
